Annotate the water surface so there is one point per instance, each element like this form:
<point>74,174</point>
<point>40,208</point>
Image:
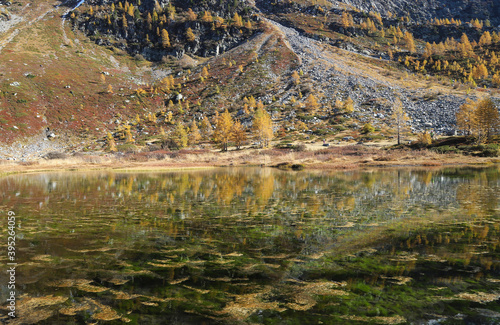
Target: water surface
<point>256,246</point>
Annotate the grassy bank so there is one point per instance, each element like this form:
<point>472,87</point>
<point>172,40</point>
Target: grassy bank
<point>342,157</point>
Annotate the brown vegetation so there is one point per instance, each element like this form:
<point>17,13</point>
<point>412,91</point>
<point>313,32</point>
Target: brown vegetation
<point>340,157</point>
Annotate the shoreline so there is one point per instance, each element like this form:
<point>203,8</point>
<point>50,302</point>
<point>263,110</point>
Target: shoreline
<point>334,159</point>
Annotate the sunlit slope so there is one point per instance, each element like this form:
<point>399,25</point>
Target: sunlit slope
<point>53,76</point>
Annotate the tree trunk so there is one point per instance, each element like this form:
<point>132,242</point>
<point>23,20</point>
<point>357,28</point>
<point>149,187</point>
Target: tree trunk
<point>399,135</point>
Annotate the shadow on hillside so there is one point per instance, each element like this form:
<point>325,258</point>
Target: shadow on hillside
<point>71,4</point>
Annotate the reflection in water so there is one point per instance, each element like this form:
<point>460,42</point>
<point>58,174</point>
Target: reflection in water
<point>257,246</point>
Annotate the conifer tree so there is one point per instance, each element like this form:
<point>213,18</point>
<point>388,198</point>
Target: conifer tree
<point>466,117</point>
<point>191,15</point>
<point>428,50</point>
<point>128,135</point>
<point>171,11</point>
<point>348,105</point>
<point>262,127</point>
<point>238,134</point>
<point>237,21</point>
<point>111,143</point>
<point>124,22</point>
<point>207,17</point>
<point>311,103</point>
<point>295,78</point>
<point>131,10</point>
<point>206,128</point>
<point>194,134</point>
<point>346,20</point>
<point>223,129</point>
<point>487,119</point>
<point>190,35</point>
<point>180,136</point>
<point>409,41</point>
<point>169,117</point>
<point>204,72</point>
<point>399,118</point>
<point>165,40</point>
<point>465,45</point>
<point>251,102</point>
<point>485,39</point>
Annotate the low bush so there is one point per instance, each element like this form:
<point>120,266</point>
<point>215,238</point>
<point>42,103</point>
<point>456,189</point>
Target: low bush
<point>446,149</point>
<point>56,155</point>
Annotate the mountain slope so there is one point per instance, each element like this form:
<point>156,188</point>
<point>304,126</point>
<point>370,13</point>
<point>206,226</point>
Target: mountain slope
<point>421,10</point>
<point>83,81</point>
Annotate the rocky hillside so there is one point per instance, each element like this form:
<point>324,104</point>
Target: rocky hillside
<point>139,71</point>
<point>423,10</point>
<point>155,29</point>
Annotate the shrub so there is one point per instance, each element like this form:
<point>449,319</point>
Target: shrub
<point>339,128</point>
<point>300,147</point>
<point>55,155</point>
<point>128,148</point>
<point>367,128</point>
<point>158,155</point>
<point>424,139</point>
<point>488,153</point>
<point>446,149</point>
<point>139,57</point>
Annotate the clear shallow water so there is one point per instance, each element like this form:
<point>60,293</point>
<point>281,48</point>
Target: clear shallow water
<point>255,246</point>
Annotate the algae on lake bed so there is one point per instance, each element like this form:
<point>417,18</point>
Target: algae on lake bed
<point>258,246</point>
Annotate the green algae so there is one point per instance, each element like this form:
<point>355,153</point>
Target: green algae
<point>261,246</point>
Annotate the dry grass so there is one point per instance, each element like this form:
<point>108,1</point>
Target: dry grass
<point>341,157</point>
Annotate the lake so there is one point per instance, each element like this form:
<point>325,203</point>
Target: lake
<point>254,245</point>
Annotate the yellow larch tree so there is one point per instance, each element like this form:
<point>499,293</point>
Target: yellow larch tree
<point>409,41</point>
<point>237,20</point>
<point>194,134</point>
<point>128,135</point>
<point>165,40</point>
<point>487,119</point>
<point>346,20</point>
<point>190,35</point>
<point>124,22</point>
<point>223,127</point>
<point>466,117</point>
<point>348,105</point>
<point>311,103</point>
<point>251,102</point>
<point>238,134</point>
<point>206,128</point>
<point>191,15</point>
<point>207,17</point>
<point>399,118</point>
<point>263,127</point>
<point>130,11</point>
<point>295,77</point>
<point>485,39</point>
<point>111,142</point>
<point>180,136</point>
